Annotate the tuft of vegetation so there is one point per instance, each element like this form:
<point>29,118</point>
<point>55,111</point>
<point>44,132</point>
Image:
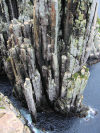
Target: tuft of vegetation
<point>8,59</point>
<point>2,107</point>
<point>0,99</point>
<point>87,69</point>
<point>98,21</point>
<point>75,75</point>
<point>30,3</point>
<point>78,74</point>
<point>70,89</point>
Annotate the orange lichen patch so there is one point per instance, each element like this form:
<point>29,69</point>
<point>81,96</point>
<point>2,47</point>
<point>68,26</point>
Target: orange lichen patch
<point>53,14</point>
<point>13,67</point>
<point>36,33</point>
<point>53,22</point>
<point>35,26</point>
<point>68,3</point>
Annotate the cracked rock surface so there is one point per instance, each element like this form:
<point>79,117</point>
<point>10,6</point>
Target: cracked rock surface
<point>44,46</point>
<point>10,118</point>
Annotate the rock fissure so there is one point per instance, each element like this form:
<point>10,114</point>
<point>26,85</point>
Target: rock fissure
<point>46,47</point>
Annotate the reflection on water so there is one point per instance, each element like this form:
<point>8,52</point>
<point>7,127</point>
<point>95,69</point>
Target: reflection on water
<point>54,123</point>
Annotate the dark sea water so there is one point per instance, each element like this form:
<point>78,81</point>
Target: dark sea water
<point>91,124</point>
<point>53,123</point>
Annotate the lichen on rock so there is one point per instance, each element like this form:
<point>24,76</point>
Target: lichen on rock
<point>46,52</point>
<point>72,95</point>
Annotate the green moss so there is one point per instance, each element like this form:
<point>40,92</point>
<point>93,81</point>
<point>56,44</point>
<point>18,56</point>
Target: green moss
<point>78,74</point>
<point>81,17</point>
<point>98,21</point>
<point>77,23</point>
<point>76,42</point>
<point>30,46</point>
<point>8,59</point>
<point>82,6</point>
<point>83,22</point>
<point>75,75</point>
<point>82,76</point>
<point>70,89</point>
<point>2,107</point>
<point>0,99</point>
<point>86,77</point>
<point>70,78</point>
<point>19,116</point>
<point>30,3</point>
<point>87,69</point>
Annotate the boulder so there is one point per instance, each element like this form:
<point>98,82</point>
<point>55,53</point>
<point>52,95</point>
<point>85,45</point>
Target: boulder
<point>11,120</point>
<point>9,123</point>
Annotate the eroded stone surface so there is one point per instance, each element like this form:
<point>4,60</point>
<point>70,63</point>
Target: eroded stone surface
<point>95,52</point>
<point>9,123</point>
<point>10,118</point>
<point>49,50</point>
<point>72,92</point>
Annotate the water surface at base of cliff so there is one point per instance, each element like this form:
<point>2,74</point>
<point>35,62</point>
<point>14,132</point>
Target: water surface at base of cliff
<point>91,124</point>
<point>54,123</point>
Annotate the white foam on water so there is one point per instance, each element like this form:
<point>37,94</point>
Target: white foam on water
<point>91,114</point>
<point>27,116</point>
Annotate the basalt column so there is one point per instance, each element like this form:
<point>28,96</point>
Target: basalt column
<point>45,55</point>
<point>63,34</point>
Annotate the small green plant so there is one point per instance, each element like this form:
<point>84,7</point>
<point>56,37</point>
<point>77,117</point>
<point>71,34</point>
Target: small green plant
<point>0,99</point>
<point>8,59</point>
<point>2,107</point>
<point>98,21</point>
<point>75,75</point>
<point>87,69</point>
<point>30,3</point>
<point>70,89</point>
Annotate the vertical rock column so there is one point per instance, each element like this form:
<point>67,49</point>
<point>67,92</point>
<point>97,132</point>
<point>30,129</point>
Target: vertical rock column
<point>27,80</point>
<point>46,45</point>
<point>63,33</point>
<point>45,58</point>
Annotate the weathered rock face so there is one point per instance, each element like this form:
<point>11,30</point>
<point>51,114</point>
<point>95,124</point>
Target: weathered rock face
<point>1,66</point>
<point>73,96</point>
<point>44,57</point>
<point>9,123</point>
<point>95,52</point>
<point>10,9</point>
<point>63,31</point>
<point>9,118</point>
